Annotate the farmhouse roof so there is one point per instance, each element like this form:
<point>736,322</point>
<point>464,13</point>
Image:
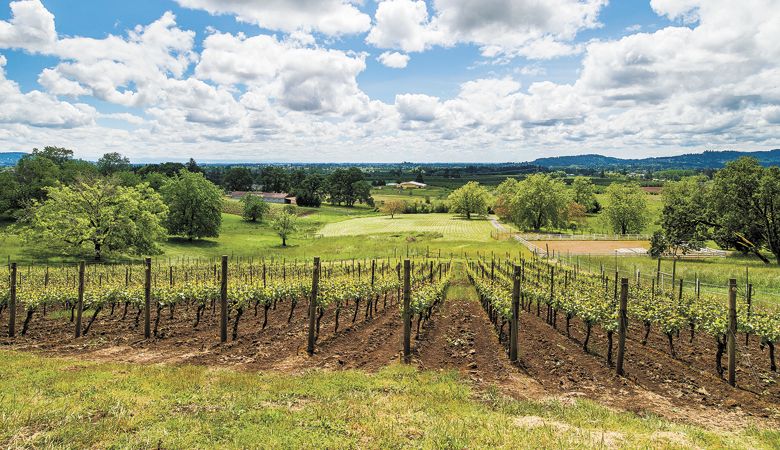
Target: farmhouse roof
<point>262,194</point>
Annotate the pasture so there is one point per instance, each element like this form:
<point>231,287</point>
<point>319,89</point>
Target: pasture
<point>449,227</point>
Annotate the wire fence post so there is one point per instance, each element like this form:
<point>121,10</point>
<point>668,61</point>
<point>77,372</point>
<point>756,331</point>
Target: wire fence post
<point>147,298</point>
<point>406,312</point>
<point>223,303</point>
<point>313,306</point>
<point>622,326</point>
<point>732,332</point>
<point>513,326</point>
<point>12,303</point>
<point>80,302</point>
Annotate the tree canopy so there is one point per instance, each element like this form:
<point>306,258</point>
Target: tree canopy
<point>255,208</point>
<point>471,198</point>
<point>348,186</point>
<point>683,217</point>
<point>195,206</point>
<point>626,210</point>
<point>111,163</point>
<point>584,193</point>
<point>538,201</point>
<point>99,214</point>
<point>745,207</point>
<point>238,179</point>
<point>284,224</point>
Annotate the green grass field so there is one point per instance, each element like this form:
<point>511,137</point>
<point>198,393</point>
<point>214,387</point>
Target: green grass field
<point>449,226</point>
<point>439,233</point>
<point>68,403</point>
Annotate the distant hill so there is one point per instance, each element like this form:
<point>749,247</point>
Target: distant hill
<point>706,160</point>
<point>10,158</point>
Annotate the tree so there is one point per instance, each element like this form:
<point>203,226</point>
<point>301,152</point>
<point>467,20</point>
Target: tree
<point>35,173</point>
<point>504,194</point>
<point>540,201</point>
<point>471,198</point>
<point>274,179</point>
<point>576,214</point>
<point>193,166</point>
<point>255,208</point>
<point>111,163</point>
<point>100,214</point>
<point>195,206</point>
<point>393,207</point>
<point>284,223</point>
<point>626,210</point>
<point>57,155</point>
<point>238,179</point>
<point>683,218</point>
<point>584,193</point>
<point>309,191</point>
<point>348,186</point>
<point>9,191</point>
<point>745,207</point>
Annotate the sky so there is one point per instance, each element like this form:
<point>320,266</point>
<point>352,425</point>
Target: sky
<point>389,80</point>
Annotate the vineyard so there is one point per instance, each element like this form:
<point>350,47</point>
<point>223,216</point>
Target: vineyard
<point>211,299</point>
<point>535,326</point>
<point>643,321</point>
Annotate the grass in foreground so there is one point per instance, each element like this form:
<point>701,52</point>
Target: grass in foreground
<point>49,402</point>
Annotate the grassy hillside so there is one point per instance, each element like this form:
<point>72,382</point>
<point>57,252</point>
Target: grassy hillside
<point>65,403</point>
<point>449,226</point>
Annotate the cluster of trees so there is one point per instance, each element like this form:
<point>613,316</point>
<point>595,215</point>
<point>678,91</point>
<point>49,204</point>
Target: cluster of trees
<point>542,201</point>
<point>70,205</point>
<point>739,208</point>
<point>341,186</point>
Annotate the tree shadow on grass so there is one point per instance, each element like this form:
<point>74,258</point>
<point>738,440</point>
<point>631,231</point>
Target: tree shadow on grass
<point>195,243</point>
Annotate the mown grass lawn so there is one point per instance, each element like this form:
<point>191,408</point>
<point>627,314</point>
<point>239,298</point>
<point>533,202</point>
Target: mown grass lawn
<point>451,227</point>
<point>66,403</point>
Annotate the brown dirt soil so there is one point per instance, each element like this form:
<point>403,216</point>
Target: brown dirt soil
<point>589,247</point>
<point>655,382</point>
<point>460,337</point>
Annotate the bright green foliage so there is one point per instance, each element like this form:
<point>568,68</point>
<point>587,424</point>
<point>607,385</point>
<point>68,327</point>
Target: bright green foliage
<point>683,220</point>
<point>284,223</point>
<point>746,207</point>
<point>539,201</point>
<point>626,210</point>
<point>255,208</point>
<point>195,206</point>
<point>111,163</point>
<point>584,192</point>
<point>100,215</point>
<point>470,199</point>
<point>504,194</point>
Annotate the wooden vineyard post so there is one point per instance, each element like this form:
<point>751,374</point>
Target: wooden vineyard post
<point>12,303</point>
<point>406,312</point>
<point>513,326</point>
<point>148,298</point>
<point>80,304</point>
<point>223,306</point>
<point>732,332</point>
<point>622,325</point>
<point>313,305</point>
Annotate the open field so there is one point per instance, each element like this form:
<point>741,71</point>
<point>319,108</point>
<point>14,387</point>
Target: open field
<point>450,227</point>
<point>575,247</point>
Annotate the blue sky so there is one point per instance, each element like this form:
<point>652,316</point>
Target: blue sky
<point>443,80</point>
